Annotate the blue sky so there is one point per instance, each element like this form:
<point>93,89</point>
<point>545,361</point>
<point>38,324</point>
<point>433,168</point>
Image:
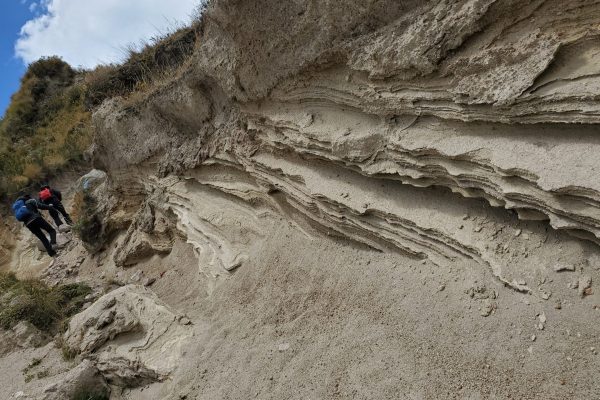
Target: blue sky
<point>84,33</point>
<point>13,14</point>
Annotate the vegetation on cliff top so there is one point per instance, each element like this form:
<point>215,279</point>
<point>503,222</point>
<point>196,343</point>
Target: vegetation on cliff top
<point>47,126</point>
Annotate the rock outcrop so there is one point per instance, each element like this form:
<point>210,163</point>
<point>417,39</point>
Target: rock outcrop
<point>82,382</point>
<point>130,334</point>
<point>340,124</point>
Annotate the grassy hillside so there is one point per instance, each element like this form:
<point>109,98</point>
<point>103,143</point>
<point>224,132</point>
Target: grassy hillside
<point>47,126</point>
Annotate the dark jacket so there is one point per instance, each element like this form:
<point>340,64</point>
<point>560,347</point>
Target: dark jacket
<point>34,208</point>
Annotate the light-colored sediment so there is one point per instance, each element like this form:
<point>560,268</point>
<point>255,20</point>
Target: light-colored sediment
<point>348,199</point>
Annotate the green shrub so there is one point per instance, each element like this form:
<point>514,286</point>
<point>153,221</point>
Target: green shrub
<point>33,301</point>
<point>163,53</point>
<point>45,127</point>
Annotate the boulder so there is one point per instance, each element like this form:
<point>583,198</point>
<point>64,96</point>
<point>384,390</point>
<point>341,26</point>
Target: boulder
<point>82,382</point>
<point>132,336</point>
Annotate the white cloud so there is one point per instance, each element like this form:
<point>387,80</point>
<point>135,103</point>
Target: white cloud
<point>91,32</point>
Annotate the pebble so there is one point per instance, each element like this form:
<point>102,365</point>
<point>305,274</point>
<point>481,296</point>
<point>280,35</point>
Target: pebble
<point>585,283</point>
<point>558,305</point>
<point>135,277</point>
<point>546,295</point>
<point>563,267</point>
<point>284,346</point>
<point>149,281</point>
<point>573,285</point>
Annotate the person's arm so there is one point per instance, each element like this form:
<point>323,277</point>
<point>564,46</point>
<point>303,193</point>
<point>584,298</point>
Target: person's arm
<point>39,205</point>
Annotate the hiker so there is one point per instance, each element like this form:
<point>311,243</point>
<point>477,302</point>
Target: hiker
<point>26,210</point>
<point>53,197</point>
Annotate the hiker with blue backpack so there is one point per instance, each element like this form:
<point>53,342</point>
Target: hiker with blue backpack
<point>26,210</point>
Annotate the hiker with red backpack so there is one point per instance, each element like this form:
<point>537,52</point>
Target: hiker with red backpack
<point>50,196</point>
<point>26,210</point>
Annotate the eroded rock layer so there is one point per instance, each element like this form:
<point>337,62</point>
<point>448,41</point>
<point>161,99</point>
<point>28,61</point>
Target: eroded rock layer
<point>460,135</point>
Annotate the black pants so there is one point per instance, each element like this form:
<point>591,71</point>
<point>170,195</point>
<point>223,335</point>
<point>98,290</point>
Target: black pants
<point>58,207</point>
<point>36,227</point>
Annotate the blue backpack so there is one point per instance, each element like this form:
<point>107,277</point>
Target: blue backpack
<point>21,211</point>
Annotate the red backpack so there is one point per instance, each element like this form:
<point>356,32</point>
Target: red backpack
<point>45,194</point>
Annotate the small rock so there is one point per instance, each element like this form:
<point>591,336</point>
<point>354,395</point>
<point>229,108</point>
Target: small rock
<point>585,283</point>
<point>558,305</point>
<point>563,267</point>
<point>149,281</point>
<point>478,229</point>
<point>441,288</point>
<point>136,276</point>
<point>542,318</point>
<point>284,346</point>
<point>574,284</point>
<point>533,337</point>
<point>183,320</point>
<point>487,309</point>
<point>89,297</point>
<point>19,395</point>
<point>521,282</point>
<point>518,232</point>
<point>530,349</point>
<point>546,295</point>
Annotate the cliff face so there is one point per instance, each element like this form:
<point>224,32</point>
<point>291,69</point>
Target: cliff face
<point>384,199</point>
<point>342,112</point>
